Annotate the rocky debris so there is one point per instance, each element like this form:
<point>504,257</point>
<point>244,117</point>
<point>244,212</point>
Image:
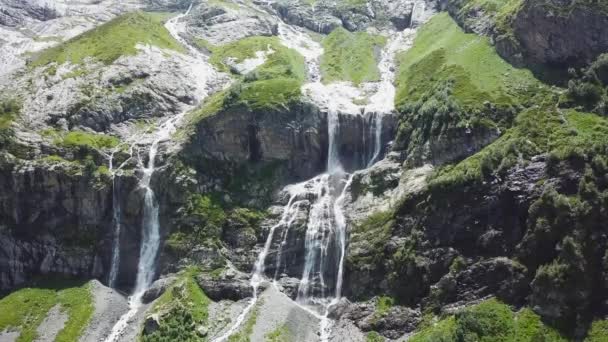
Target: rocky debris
<point>289,286</point>
<point>275,310</point>
<point>52,324</point>
<point>154,83</point>
<point>228,284</point>
<point>501,277</point>
<point>317,19</point>
<point>109,307</point>
<point>157,289</point>
<point>222,23</point>
<point>392,323</point>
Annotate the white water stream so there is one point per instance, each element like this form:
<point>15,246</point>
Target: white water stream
<point>326,235</point>
<point>150,242</point>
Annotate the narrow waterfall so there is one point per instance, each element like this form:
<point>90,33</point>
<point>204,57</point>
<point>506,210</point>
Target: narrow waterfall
<point>116,217</point>
<point>150,242</point>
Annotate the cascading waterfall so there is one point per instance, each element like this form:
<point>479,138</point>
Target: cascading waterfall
<point>287,217</point>
<point>325,242</point>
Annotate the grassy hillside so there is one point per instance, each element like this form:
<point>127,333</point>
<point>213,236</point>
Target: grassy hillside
<point>111,40</point>
<point>25,309</point>
<point>351,56</point>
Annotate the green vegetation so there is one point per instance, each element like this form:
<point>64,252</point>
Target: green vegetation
<point>374,231</point>
<point>271,86</point>
<point>451,83</point>
<point>84,142</point>
<point>598,332</point>
<point>9,110</point>
<point>244,334</point>
<point>202,220</point>
<point>384,305</point>
<point>25,309</point>
<point>373,336</point>
<point>588,89</point>
<point>474,71</point>
<point>489,321</point>
<point>351,56</point>
<point>280,334</point>
<point>182,308</point>
<point>108,42</point>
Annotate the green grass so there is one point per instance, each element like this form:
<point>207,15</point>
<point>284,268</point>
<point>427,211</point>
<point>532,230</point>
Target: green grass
<point>74,139</point>
<point>489,321</point>
<point>537,130</point>
<point>274,85</point>
<point>598,332</point>
<point>351,56</point>
<point>111,40</point>
<point>9,109</point>
<point>25,309</point>
<point>374,231</point>
<point>280,334</point>
<point>443,52</point>
<point>240,50</point>
<point>384,305</point>
<point>373,336</point>
<point>182,307</point>
<point>244,334</point>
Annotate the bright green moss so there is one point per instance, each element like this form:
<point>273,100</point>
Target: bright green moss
<point>25,309</point>
<point>351,56</point>
<point>374,231</point>
<point>81,138</point>
<point>384,304</point>
<point>109,41</point>
<point>598,332</point>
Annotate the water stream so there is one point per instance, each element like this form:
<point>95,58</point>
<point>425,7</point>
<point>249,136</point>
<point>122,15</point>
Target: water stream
<point>150,237</point>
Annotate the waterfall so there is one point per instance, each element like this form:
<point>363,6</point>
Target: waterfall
<point>150,242</point>
<point>116,217</point>
<point>287,217</point>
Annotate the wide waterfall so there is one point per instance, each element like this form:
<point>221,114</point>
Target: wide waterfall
<point>326,237</point>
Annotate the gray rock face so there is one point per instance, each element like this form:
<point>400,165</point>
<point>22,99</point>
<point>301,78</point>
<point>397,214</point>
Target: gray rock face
<point>157,289</point>
<point>555,32</point>
<point>219,24</point>
<point>297,137</point>
<point>15,12</point>
<point>229,284</point>
<point>498,276</point>
<point>325,16</point>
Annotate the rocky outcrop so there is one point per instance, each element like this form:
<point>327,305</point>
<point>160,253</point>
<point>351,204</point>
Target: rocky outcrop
<point>221,24</point>
<point>227,284</point>
<point>15,12</point>
<point>558,33</point>
<point>296,137</point>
